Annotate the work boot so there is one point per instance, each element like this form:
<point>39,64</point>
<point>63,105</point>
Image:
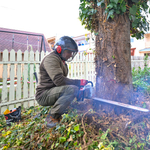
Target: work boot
<point>51,122</point>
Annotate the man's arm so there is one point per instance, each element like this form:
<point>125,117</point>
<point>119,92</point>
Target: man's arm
<point>55,72</point>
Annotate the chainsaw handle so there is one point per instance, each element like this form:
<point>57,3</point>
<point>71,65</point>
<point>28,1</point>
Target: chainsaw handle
<point>80,95</point>
<point>91,83</point>
<point>86,84</point>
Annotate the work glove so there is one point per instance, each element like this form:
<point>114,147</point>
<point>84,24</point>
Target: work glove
<point>83,82</point>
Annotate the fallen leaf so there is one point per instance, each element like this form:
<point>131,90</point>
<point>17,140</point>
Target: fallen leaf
<point>70,139</point>
<point>148,126</point>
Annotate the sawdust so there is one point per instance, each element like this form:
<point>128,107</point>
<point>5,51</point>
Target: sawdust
<point>123,126</point>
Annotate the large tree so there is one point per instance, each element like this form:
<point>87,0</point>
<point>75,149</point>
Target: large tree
<point>112,22</point>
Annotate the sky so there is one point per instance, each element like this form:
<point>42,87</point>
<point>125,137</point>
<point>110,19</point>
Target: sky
<point>50,17</point>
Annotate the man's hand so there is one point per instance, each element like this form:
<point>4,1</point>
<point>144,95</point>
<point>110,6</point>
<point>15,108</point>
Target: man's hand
<point>83,82</point>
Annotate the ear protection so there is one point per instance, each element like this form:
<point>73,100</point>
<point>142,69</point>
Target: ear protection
<point>58,49</point>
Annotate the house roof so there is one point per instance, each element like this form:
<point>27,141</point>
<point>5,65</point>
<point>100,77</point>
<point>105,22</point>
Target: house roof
<point>16,39</point>
<point>144,50</point>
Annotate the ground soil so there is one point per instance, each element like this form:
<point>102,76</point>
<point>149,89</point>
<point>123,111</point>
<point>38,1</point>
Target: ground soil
<point>123,126</point>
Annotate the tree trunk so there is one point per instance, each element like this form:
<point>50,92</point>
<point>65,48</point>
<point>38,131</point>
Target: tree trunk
<point>113,59</point>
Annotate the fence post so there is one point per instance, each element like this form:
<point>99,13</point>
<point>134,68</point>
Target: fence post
<point>75,67</point>
<point>12,75</point>
<point>81,64</point>
<point>31,77</point>
<point>92,68</point>
<point>37,64</point>
<point>42,55</point>
<point>37,54</point>
<point>78,70</point>
<point>4,89</point>
<point>71,64</point>
<point>18,88</point>
<point>25,85</point>
<point>86,67</point>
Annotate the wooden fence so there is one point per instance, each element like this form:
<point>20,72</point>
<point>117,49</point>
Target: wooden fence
<point>138,61</point>
<point>20,91</point>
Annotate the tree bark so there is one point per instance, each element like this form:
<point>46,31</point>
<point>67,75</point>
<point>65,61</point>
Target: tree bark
<point>113,58</point>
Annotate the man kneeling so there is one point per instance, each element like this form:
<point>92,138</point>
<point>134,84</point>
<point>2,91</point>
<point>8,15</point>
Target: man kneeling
<point>54,88</point>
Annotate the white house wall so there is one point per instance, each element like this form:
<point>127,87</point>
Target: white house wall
<point>138,44</point>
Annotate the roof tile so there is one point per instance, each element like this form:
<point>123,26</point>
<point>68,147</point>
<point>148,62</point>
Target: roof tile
<point>21,40</point>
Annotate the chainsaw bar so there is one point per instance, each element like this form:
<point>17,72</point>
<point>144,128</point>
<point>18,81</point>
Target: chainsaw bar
<point>120,104</point>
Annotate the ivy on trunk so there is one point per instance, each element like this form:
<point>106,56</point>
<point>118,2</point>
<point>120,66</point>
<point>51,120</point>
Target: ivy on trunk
<point>113,21</point>
<point>113,60</point>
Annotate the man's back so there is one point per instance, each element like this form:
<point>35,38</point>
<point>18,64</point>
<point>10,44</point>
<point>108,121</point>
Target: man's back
<point>51,68</point>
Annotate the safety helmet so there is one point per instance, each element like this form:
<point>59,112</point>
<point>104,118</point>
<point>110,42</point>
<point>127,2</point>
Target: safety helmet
<point>66,43</point>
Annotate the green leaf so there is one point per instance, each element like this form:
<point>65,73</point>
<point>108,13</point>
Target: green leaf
<point>99,3</point>
<point>143,139</point>
<point>113,57</point>
<point>66,144</point>
<point>102,5</point>
<point>103,137</point>
<point>76,128</point>
<point>130,141</point>
<point>135,1</point>
<point>52,146</point>
<point>85,11</point>
<point>110,14</point>
<point>75,143</point>
<point>140,144</point>
<point>62,139</point>
<point>115,1</point>
<point>144,105</point>
<point>134,24</point>
<point>133,10</point>
<point>133,17</point>
<point>127,148</point>
<point>96,33</point>
<point>93,11</point>
<point>117,11</point>
<point>123,8</point>
<point>114,143</point>
<point>56,144</point>
<point>110,6</point>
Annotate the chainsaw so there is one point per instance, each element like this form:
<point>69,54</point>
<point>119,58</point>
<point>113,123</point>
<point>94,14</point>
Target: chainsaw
<point>88,92</point>
<point>85,92</point>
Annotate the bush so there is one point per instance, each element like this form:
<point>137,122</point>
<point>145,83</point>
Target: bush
<point>141,78</point>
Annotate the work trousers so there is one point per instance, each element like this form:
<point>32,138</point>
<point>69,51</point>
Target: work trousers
<point>59,98</point>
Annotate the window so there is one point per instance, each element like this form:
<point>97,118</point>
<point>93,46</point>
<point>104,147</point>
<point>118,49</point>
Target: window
<point>146,54</point>
<point>82,43</point>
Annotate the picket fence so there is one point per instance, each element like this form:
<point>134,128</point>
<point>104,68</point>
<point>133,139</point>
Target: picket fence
<point>20,68</point>
<point>138,61</point>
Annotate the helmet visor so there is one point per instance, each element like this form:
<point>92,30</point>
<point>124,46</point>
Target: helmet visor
<point>68,55</point>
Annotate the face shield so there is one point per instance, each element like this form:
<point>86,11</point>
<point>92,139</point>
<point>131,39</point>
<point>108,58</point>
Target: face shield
<point>66,48</point>
<point>68,55</point>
